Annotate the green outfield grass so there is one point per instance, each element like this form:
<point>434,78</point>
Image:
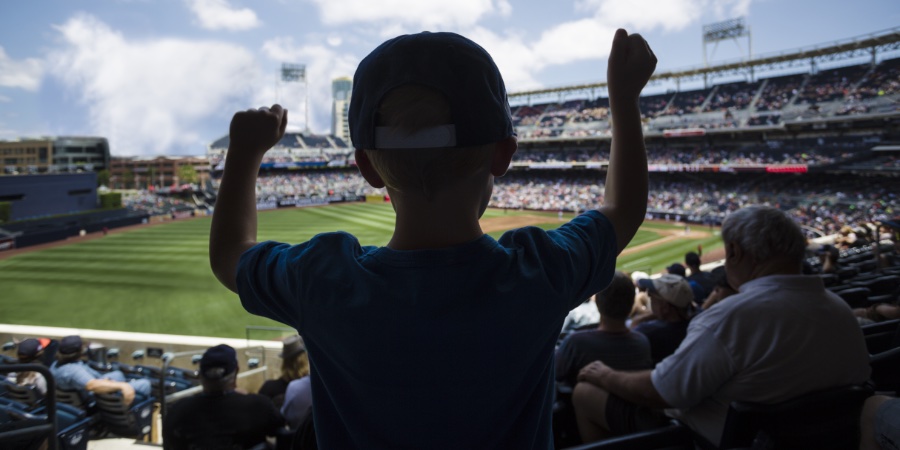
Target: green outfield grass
<point>157,279</point>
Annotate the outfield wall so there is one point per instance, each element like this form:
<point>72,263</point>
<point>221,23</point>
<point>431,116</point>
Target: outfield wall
<point>44,195</point>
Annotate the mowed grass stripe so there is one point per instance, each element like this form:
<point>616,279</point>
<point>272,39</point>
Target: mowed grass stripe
<point>325,212</point>
<point>137,268</point>
<point>95,280</point>
<point>376,213</point>
<point>157,279</point>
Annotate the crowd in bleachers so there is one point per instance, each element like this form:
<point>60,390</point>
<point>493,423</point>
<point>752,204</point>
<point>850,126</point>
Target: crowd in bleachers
<point>831,85</point>
<point>311,184</point>
<point>812,154</point>
<point>734,96</point>
<point>156,205</point>
<point>847,90</point>
<point>823,204</point>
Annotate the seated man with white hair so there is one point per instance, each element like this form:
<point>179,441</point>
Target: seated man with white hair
<point>754,347</point>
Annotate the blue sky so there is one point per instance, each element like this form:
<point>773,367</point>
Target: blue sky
<point>165,76</point>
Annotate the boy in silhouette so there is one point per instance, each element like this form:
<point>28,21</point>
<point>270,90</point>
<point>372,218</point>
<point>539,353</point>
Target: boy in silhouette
<point>444,338</point>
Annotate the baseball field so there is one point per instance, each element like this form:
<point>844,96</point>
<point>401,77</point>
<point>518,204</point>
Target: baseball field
<point>156,278</point>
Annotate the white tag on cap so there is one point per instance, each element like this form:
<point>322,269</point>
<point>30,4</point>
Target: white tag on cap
<point>434,137</point>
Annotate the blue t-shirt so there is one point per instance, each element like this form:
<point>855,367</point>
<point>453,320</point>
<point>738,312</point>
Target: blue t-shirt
<point>448,348</point>
<point>665,337</point>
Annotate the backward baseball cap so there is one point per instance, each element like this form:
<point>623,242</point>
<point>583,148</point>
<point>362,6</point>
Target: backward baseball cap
<point>673,288</point>
<point>452,65</point>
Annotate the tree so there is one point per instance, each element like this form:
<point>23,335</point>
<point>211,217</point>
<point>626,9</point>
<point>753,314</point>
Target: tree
<point>187,174</point>
<point>103,178</point>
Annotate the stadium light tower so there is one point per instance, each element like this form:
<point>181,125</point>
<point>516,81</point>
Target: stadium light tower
<point>296,73</point>
<point>731,29</point>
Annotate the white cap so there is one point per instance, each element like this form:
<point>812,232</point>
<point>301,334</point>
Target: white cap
<point>674,289</point>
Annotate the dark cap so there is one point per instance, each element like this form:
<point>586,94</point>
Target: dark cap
<point>451,64</point>
<point>293,346</point>
<point>677,269</point>
<point>218,362</point>
<point>70,345</point>
<point>28,349</point>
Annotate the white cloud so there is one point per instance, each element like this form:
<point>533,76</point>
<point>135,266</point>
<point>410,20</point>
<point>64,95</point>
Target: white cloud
<point>150,97</point>
<point>323,64</point>
<point>426,14</point>
<point>590,38</point>
<point>670,15</point>
<point>573,41</point>
<point>219,15</point>
<point>24,74</point>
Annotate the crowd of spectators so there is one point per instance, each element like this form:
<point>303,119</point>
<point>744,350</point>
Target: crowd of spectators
<point>778,92</point>
<point>273,187</point>
<point>687,102</point>
<point>821,203</point>
<point>812,154</point>
<point>831,85</point>
<point>156,205</point>
<point>884,80</point>
<point>734,96</point>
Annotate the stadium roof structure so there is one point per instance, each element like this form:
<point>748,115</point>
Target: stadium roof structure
<point>866,45</point>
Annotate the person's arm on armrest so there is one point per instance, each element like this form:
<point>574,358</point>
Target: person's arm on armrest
<point>635,387</point>
<point>101,386</point>
<point>631,62</point>
<point>233,230</point>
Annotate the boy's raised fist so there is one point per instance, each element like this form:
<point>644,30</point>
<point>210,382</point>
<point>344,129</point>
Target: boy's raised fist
<point>257,130</point>
<point>631,62</point>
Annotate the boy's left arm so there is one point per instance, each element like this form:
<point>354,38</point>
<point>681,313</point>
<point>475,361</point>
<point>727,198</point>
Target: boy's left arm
<point>233,230</point>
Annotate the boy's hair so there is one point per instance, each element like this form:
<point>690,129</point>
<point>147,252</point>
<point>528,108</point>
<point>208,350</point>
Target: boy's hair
<point>405,111</point>
<point>617,300</point>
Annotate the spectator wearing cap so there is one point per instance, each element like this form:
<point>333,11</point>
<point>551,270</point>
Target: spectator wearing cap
<point>73,373</point>
<point>698,291</point>
<point>220,417</point>
<point>753,347</point>
<point>294,365</point>
<point>611,342</point>
<point>670,305</point>
<point>30,351</point>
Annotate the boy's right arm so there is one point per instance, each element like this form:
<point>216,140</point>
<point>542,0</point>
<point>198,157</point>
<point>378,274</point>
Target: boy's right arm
<point>233,229</point>
<point>631,62</point>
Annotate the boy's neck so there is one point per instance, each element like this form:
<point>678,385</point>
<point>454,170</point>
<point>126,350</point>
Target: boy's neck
<point>445,221</point>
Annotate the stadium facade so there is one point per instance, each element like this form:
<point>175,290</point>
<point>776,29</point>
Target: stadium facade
<point>54,154</point>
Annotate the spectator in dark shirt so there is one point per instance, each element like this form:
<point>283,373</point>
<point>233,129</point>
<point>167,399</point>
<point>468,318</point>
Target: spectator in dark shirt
<point>670,302</point>
<point>612,342</point>
<point>220,417</point>
<point>703,280</point>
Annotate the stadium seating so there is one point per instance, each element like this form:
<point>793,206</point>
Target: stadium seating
<point>125,420</point>
<point>826,419</point>
<point>29,424</point>
<point>880,336</point>
<point>673,437</point>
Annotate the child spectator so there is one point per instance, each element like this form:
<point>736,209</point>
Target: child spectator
<point>444,338</point>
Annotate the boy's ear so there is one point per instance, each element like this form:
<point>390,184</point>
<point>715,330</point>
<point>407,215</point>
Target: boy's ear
<point>366,170</point>
<point>503,153</point>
